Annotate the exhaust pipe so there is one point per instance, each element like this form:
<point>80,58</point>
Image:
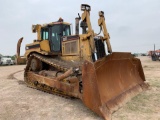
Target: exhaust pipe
<point>77,25</point>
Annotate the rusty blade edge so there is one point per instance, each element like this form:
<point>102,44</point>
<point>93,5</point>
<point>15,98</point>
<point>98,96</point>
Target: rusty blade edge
<point>117,102</point>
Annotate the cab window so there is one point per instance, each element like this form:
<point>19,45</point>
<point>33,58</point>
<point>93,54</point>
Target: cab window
<point>66,30</point>
<point>44,34</point>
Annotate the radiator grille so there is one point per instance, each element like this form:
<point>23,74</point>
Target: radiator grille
<point>70,47</point>
<point>100,48</point>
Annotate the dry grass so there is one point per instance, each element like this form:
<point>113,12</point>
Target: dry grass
<point>20,102</point>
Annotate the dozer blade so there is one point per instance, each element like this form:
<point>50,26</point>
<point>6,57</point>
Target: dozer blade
<point>111,81</point>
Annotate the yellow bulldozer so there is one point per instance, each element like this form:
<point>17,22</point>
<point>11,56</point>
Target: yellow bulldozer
<point>80,66</point>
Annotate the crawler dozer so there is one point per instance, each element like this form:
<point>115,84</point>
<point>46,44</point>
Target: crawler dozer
<point>80,66</point>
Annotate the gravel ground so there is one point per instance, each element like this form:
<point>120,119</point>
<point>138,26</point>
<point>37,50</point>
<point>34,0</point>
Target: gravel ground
<point>19,102</point>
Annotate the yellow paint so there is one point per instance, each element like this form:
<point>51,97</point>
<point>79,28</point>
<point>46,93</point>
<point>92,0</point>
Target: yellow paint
<point>28,51</point>
<point>85,49</point>
<point>37,28</point>
<point>78,51</point>
<point>44,45</point>
<point>70,58</point>
<point>102,24</point>
<point>34,43</point>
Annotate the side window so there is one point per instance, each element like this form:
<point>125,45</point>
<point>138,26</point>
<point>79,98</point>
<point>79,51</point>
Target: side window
<point>45,35</point>
<point>66,30</point>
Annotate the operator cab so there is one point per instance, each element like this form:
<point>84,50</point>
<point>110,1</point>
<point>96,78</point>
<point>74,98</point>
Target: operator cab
<point>54,32</point>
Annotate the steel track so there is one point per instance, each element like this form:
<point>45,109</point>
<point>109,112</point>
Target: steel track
<point>59,65</point>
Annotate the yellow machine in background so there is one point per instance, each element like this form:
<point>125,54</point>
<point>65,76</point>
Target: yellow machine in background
<point>77,66</point>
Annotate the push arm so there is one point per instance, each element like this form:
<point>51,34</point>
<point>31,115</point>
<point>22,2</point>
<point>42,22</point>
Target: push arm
<point>102,24</point>
<point>86,18</point>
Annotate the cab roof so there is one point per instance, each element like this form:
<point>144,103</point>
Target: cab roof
<point>60,21</point>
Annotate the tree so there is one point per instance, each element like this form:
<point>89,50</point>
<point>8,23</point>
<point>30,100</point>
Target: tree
<point>13,57</point>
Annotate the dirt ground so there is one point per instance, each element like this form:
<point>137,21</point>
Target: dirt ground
<point>19,102</point>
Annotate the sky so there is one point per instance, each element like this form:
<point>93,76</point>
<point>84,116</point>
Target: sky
<point>133,25</point>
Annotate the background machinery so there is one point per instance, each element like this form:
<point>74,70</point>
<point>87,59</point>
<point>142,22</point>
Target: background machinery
<point>77,66</point>
<point>155,55</point>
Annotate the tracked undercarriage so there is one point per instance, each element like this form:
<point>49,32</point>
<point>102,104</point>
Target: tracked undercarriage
<point>91,82</point>
<point>51,69</point>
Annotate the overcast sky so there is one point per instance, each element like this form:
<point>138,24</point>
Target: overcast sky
<point>134,25</point>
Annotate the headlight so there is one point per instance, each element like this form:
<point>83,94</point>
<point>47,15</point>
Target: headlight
<point>85,7</point>
<point>27,47</point>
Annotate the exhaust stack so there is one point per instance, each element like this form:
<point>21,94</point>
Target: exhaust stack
<point>77,25</point>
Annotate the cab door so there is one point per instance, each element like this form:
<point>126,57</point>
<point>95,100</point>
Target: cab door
<point>55,38</point>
